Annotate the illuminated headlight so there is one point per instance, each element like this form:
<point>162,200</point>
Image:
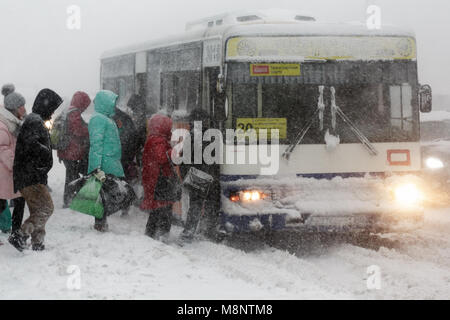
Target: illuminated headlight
<point>434,163</point>
<point>248,196</point>
<point>408,195</point>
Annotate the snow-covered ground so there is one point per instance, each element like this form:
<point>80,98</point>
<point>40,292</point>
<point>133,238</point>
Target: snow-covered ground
<point>124,264</point>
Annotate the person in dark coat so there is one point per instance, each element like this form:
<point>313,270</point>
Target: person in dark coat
<point>197,202</point>
<point>32,162</point>
<point>75,156</point>
<point>138,106</point>
<point>155,162</point>
<point>129,142</point>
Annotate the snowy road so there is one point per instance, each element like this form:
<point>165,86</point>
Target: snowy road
<point>124,264</point>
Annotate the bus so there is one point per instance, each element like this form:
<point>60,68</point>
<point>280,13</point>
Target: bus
<point>339,104</point>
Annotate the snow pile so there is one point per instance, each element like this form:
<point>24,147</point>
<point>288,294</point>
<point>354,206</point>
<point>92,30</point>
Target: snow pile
<point>331,141</point>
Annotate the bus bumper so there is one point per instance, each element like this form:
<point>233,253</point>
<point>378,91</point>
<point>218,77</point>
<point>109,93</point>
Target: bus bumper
<point>376,223</point>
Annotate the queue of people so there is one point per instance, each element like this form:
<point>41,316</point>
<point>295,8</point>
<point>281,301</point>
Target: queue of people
<point>113,144</point>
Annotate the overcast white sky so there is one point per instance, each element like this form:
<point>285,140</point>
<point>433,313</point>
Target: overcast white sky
<point>37,50</point>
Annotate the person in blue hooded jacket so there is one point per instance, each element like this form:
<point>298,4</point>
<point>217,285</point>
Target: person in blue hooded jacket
<point>105,150</point>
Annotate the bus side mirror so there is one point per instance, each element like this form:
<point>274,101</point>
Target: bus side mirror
<point>425,99</point>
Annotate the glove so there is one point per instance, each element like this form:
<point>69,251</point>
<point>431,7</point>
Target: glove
<point>100,175</point>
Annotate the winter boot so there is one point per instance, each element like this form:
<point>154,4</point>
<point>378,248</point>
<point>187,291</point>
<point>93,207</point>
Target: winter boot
<point>101,227</point>
<point>125,213</point>
<point>151,227</point>
<point>18,240</point>
<point>185,238</point>
<point>38,247</point>
<point>150,233</point>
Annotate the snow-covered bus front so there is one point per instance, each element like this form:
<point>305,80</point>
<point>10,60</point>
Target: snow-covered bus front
<point>345,103</point>
<point>340,106</point>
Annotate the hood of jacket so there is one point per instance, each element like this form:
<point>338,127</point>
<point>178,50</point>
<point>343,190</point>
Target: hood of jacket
<point>160,125</point>
<point>105,103</point>
<point>11,121</point>
<point>81,101</point>
<point>46,103</point>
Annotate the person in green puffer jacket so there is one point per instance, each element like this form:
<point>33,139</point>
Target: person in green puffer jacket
<point>105,150</point>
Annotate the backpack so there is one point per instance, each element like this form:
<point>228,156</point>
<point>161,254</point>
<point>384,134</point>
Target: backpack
<point>59,135</point>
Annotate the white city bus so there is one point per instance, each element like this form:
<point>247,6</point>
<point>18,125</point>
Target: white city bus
<point>345,100</point>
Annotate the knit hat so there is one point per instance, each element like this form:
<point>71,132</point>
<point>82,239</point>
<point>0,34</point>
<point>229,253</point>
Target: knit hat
<point>13,101</point>
<point>7,89</point>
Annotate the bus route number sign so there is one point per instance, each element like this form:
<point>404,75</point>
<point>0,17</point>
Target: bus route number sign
<point>275,70</point>
<point>269,124</point>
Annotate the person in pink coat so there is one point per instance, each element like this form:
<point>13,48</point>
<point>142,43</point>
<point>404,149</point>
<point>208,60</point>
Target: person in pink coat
<point>11,115</point>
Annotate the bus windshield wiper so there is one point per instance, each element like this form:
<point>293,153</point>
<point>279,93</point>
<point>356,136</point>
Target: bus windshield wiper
<point>352,126</point>
<point>335,110</point>
<point>307,126</point>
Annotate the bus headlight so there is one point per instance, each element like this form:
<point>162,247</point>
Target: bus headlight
<point>248,196</point>
<point>408,194</point>
<point>434,163</point>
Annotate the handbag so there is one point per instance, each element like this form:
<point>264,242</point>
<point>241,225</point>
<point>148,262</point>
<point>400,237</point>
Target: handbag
<point>168,188</point>
<point>197,180</point>
<point>88,200</point>
<point>117,194</point>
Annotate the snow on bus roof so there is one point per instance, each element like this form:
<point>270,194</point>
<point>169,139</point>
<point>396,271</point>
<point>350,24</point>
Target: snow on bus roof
<point>234,17</point>
<point>316,29</point>
<point>263,28</point>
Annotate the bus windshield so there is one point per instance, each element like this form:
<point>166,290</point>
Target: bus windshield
<point>383,113</point>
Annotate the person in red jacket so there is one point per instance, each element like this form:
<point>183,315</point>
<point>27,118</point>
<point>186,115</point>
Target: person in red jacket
<point>154,161</point>
<point>75,156</point>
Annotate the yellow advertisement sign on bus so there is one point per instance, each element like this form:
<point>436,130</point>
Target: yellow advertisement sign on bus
<point>279,124</point>
<point>267,49</point>
<point>275,70</point>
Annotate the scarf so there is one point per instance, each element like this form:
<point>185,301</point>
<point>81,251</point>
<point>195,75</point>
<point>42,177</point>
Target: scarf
<point>11,121</point>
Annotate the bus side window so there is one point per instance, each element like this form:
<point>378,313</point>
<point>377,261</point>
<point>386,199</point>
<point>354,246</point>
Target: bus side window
<point>110,84</point>
<point>124,89</point>
<point>401,107</point>
<point>141,84</point>
<point>168,96</point>
<point>187,90</point>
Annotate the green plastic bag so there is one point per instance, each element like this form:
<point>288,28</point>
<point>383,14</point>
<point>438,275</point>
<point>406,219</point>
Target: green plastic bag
<point>88,200</point>
<point>5,219</point>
